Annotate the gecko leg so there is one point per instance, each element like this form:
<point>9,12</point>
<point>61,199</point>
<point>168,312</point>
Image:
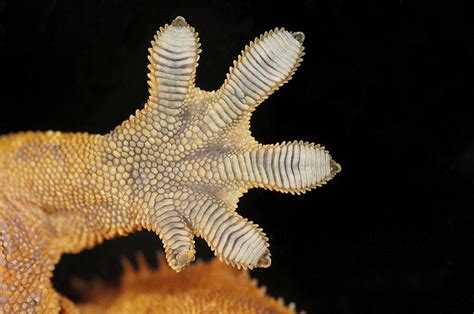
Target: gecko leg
<point>27,260</point>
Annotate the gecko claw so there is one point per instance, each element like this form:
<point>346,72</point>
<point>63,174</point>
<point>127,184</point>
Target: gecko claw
<point>183,259</point>
<point>265,261</point>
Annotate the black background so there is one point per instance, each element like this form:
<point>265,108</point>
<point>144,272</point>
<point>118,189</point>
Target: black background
<point>386,86</point>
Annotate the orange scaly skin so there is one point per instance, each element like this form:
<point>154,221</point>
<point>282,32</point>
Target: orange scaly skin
<point>178,168</point>
<point>202,288</point>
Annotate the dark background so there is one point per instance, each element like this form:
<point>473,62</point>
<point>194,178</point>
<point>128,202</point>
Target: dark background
<point>386,86</point>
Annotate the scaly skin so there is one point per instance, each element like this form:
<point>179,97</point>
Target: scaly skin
<point>206,288</point>
<point>178,168</point>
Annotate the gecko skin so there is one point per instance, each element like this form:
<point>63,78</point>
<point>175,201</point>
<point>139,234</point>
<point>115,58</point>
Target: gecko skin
<point>177,167</point>
<point>210,288</point>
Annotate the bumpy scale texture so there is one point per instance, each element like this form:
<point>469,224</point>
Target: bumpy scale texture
<point>177,167</point>
<point>202,288</point>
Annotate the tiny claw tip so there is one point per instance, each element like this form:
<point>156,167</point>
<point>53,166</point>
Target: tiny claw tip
<point>265,261</point>
<point>335,167</point>
<point>299,36</point>
<point>179,21</point>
